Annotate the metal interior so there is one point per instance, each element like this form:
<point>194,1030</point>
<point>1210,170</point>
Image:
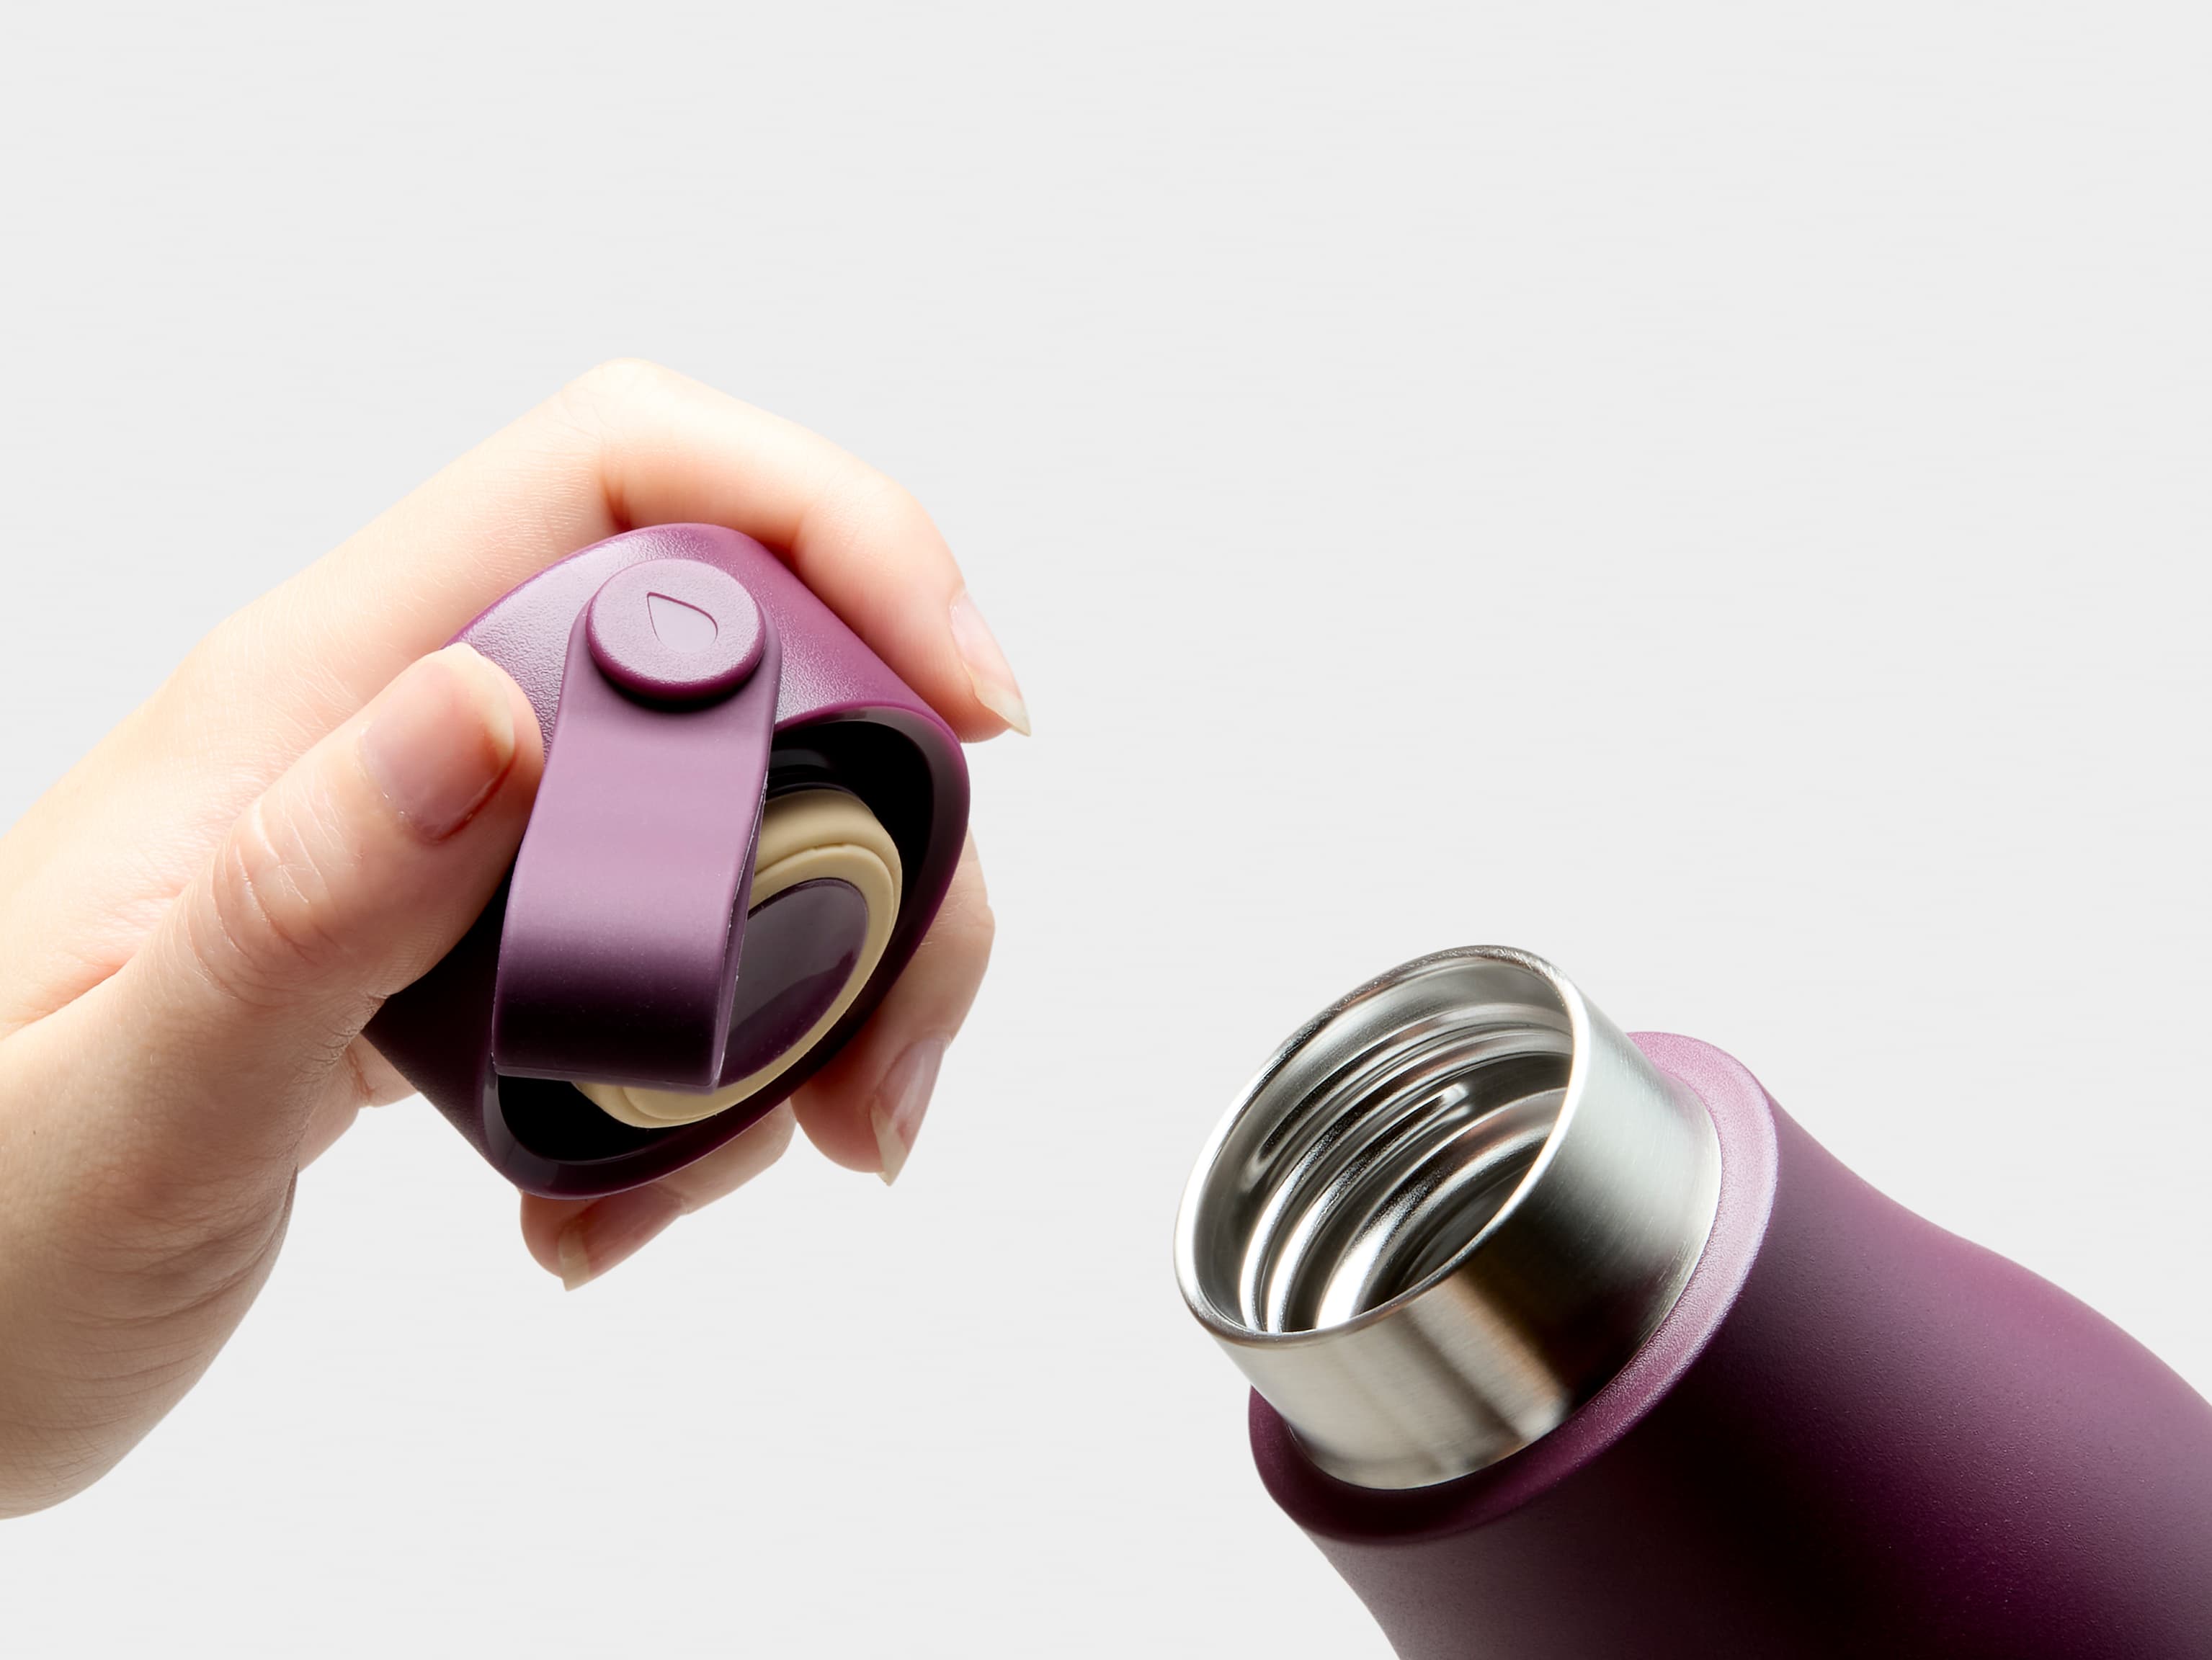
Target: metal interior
<point>1445,1214</point>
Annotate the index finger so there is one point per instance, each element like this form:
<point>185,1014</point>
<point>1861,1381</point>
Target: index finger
<point>627,445</point>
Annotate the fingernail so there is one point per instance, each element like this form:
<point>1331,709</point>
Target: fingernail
<point>438,740</point>
<point>988,671</point>
<point>901,1100</point>
<point>611,1230</point>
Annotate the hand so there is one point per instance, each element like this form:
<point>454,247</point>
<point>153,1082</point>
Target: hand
<point>197,921</point>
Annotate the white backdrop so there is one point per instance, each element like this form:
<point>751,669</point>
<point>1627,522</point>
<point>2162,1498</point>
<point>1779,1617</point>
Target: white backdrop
<point>1718,497</point>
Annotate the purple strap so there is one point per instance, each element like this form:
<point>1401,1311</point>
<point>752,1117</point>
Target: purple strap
<point>658,759</point>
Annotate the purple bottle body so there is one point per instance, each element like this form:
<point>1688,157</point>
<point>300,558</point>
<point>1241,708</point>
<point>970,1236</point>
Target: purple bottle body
<point>1855,1434</point>
<point>649,891</point>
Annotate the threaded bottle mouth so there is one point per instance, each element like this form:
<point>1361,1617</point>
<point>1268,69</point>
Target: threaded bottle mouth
<point>1447,1211</point>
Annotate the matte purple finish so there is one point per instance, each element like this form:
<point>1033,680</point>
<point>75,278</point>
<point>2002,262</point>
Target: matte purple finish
<point>624,913</point>
<point>675,631</point>
<point>1856,1435</point>
<point>842,718</point>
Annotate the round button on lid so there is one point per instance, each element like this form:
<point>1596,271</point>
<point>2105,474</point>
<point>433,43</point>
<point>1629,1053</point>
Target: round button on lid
<point>675,631</point>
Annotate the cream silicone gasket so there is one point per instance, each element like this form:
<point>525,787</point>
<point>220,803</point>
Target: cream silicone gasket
<point>810,835</point>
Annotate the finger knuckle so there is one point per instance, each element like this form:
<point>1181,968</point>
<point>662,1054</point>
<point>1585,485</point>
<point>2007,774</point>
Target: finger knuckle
<point>865,508</point>
<point>263,928</point>
<point>605,389</point>
<point>967,924</point>
<point>896,508</point>
<point>777,1129</point>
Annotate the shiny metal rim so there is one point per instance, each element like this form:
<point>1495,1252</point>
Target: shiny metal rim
<point>1446,1212</point>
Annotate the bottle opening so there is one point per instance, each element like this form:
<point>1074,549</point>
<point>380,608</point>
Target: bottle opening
<point>1447,1211</point>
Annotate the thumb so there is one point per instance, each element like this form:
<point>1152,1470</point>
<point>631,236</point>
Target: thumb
<point>347,879</point>
<point>153,1127</point>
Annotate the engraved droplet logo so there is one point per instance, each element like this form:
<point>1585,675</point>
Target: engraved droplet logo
<point>678,626</point>
<point>678,630</point>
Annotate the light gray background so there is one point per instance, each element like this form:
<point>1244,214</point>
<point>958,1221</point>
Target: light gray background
<point>1716,496</point>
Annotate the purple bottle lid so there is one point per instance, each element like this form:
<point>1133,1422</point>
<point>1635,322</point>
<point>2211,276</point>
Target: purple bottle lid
<point>683,678</point>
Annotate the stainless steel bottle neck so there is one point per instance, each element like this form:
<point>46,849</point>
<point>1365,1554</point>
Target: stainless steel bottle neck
<point>1448,1211</point>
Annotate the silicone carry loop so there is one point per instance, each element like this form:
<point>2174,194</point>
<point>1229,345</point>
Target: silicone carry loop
<point>627,974</point>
